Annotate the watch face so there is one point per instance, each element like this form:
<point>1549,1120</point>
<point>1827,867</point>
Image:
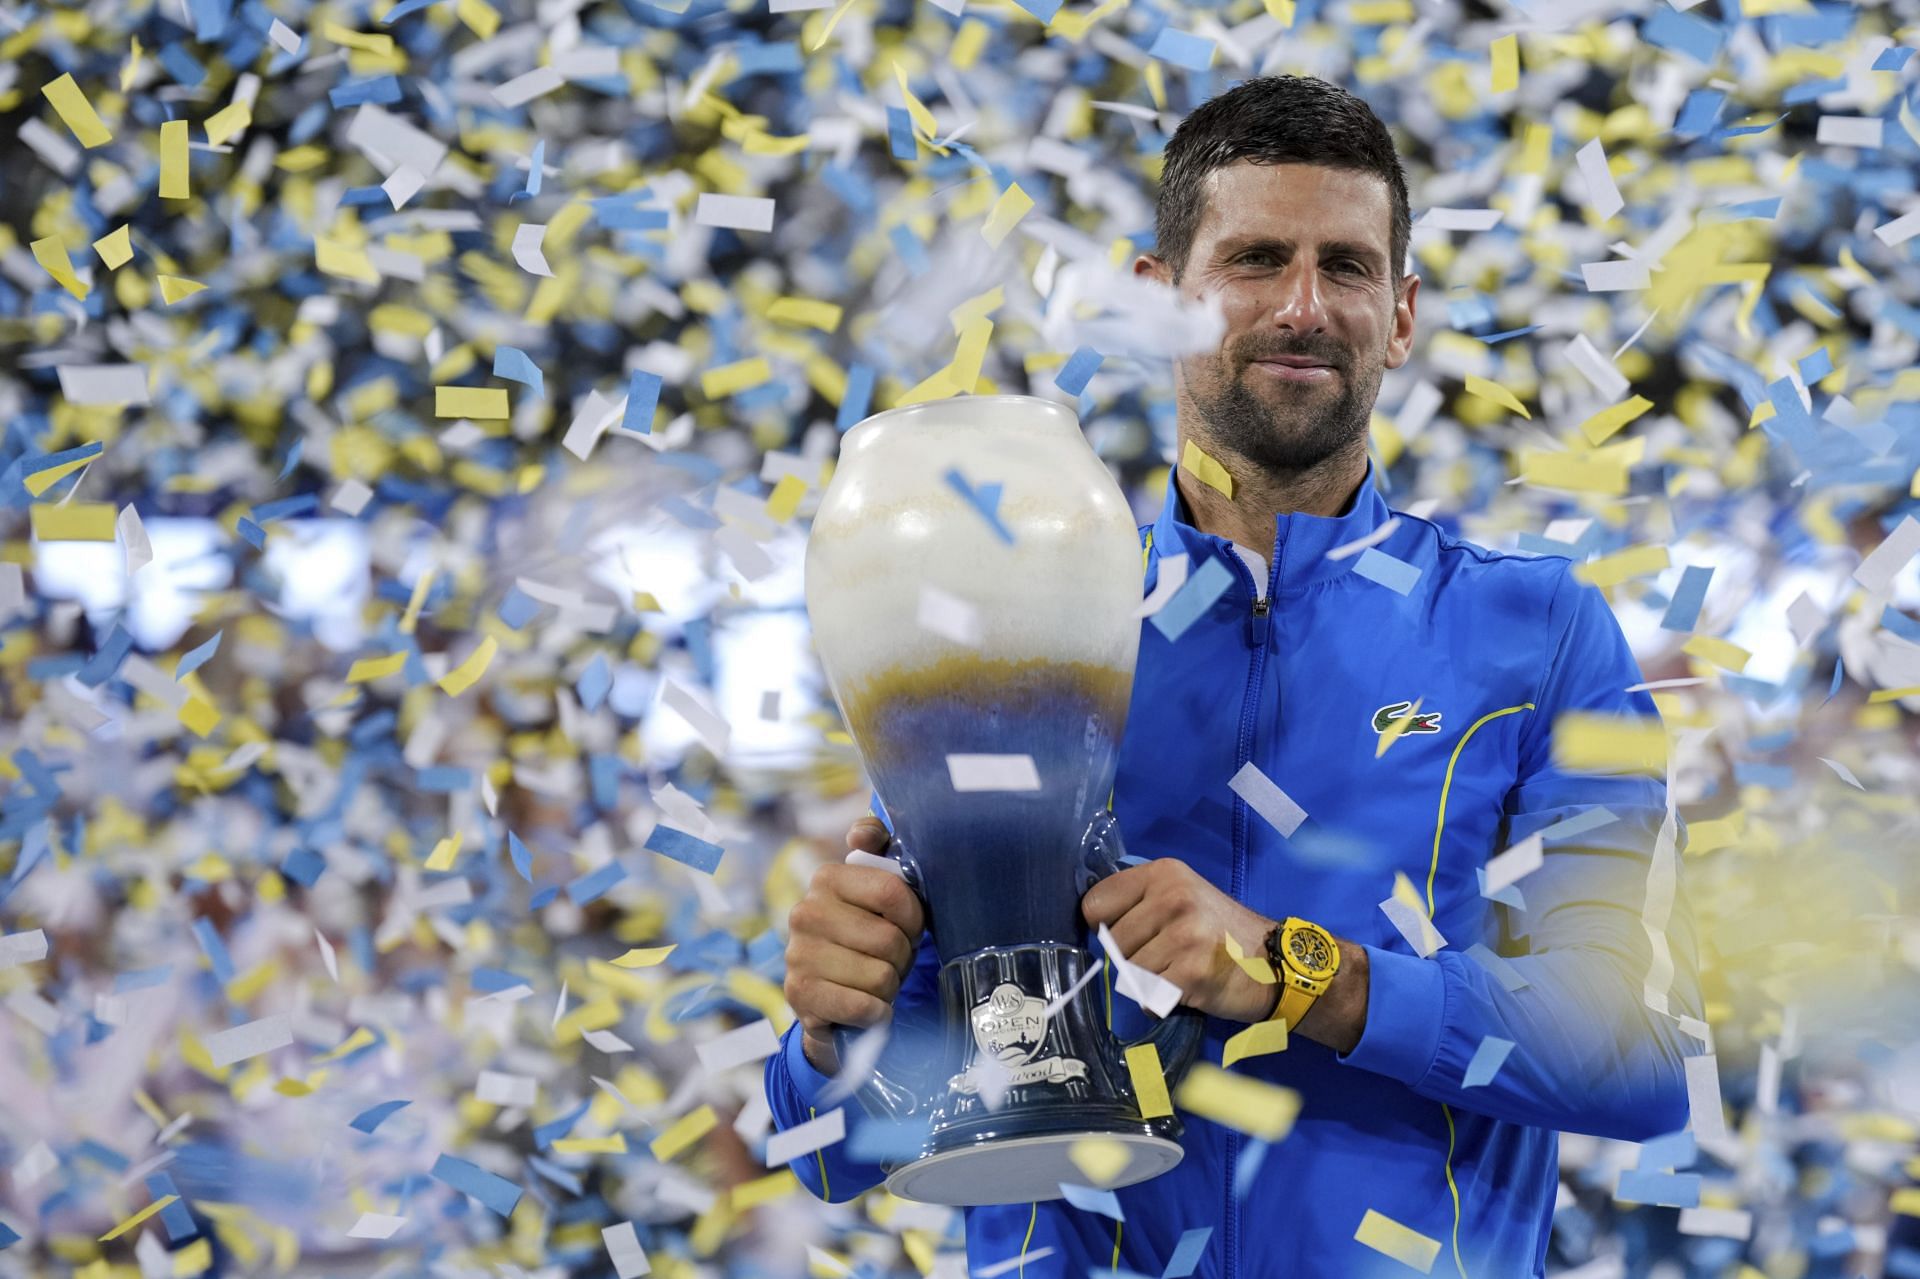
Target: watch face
<point>1311,950</point>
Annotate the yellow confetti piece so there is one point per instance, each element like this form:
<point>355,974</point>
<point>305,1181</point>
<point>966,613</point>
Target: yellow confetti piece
<point>40,481</point>
<point>1255,966</point>
<point>1603,425</point>
<point>686,1130</point>
<point>173,160</point>
<point>174,287</point>
<point>1244,1104</point>
<point>643,957</point>
<point>1585,742</point>
<point>356,39</point>
<point>1257,1040</point>
<point>1403,1243</point>
<point>200,716</point>
<point>1099,1159</point>
<point>1892,694</point>
<point>445,852</point>
<point>1396,728</point>
<point>52,257</point>
<point>1605,474</point>
<point>1635,561</point>
<point>785,498</point>
<point>360,1038</point>
<point>480,17</point>
<point>969,44</point>
<point>410,618</point>
<point>1149,1081</point>
<point>614,1145</point>
<point>226,124</point>
<point>488,403</point>
<point>1711,836</point>
<point>751,1194</point>
<point>1505,55</point>
<point>824,316</point>
<point>731,379</point>
<point>1379,13</point>
<point>196,1258</point>
<point>349,263</point>
<point>825,33</point>
<point>372,668</point>
<point>74,522</point>
<point>76,112</point>
<point>1500,395</point>
<point>1012,205</point>
<point>1721,653</point>
<point>923,122</point>
<point>1196,463</point>
<point>1280,11</point>
<point>462,677</point>
<point>1906,1201</point>
<point>157,1205</point>
<point>971,353</point>
<point>115,248</point>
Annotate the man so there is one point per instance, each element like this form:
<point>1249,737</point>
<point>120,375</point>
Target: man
<point>1284,199</point>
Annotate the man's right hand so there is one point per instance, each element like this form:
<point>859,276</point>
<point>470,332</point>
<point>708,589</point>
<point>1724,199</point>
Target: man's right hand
<point>850,943</point>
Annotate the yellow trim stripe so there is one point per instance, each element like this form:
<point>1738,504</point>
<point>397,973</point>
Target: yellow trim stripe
<point>826,1191</point>
<point>1439,830</point>
<point>1115,1263</point>
<point>1033,1215</point>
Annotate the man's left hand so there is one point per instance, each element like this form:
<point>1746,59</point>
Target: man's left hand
<point>1169,920</point>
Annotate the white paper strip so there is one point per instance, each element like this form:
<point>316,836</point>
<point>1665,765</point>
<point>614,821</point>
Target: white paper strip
<point>1603,197</point>
<point>527,250</point>
<point>738,212</point>
<point>1900,230</point>
<point>1173,576</point>
<point>523,89</point>
<point>1703,1097</point>
<point>1148,989</point>
<point>1877,571</point>
<point>999,1268</point>
<point>1460,219</point>
<point>1850,131</point>
<point>1720,1223</point>
<point>104,384</point>
<point>754,1041</point>
<point>22,948</point>
<point>623,1248</point>
<point>706,721</point>
<point>13,592</point>
<point>255,1037</point>
<point>403,184</point>
<point>375,1225</point>
<point>1806,618</point>
<point>804,1139</point>
<point>1509,867</point>
<point>1597,369</point>
<point>1616,276</point>
<point>1360,544</point>
<point>1266,798</point>
<point>500,1089</point>
<point>1414,925</point>
<point>394,139</point>
<point>350,497</point>
<point>327,956</point>
<point>284,36</point>
<point>748,556</point>
<point>35,1164</point>
<point>948,616</point>
<point>993,772</point>
<point>134,542</point>
<point>606,1041</point>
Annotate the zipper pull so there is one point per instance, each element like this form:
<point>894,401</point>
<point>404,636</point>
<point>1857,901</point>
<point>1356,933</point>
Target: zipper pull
<point>1257,624</point>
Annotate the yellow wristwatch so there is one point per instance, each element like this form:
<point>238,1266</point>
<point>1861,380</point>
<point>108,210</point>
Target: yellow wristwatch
<point>1304,957</point>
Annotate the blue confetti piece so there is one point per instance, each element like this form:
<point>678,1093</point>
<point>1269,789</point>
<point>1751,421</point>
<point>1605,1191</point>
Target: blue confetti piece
<point>1893,59</point>
<point>443,779</point>
<point>1376,565</point>
<point>282,508</point>
<point>199,657</point>
<point>1202,587</point>
<point>595,883</point>
<point>491,981</point>
<point>372,1117</point>
<point>105,663</point>
<point>1078,370</point>
<point>1700,113</point>
<point>536,169</point>
<point>1662,1189</point>
<point>1839,673</point>
<point>1187,1253</point>
<point>1183,49</point>
<point>1764,210</point>
<point>1487,1060</point>
<point>381,90</point>
<point>546,1134</point>
<point>1247,1167</point>
<point>293,460</point>
<point>900,143</point>
<point>1087,1199</point>
<point>594,683</point>
<point>255,536</point>
<point>303,866</point>
<point>405,8</point>
<point>985,499</point>
<point>518,608</point>
<point>214,949</point>
<point>1044,10</point>
<point>1900,624</point>
<point>515,365</point>
<point>497,1193</point>
<point>210,18</point>
<point>688,850</point>
<point>144,979</point>
<point>176,1219</point>
<point>1682,33</point>
<point>522,859</point>
<point>1816,366</point>
<point>1669,1152</point>
<point>857,399</point>
<point>912,250</point>
<point>1494,339</point>
<point>8,1236</point>
<point>643,396</point>
<point>1683,611</point>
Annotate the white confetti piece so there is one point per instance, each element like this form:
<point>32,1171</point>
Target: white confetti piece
<point>1173,576</point>
<point>1900,230</point>
<point>708,723</point>
<point>1843,772</point>
<point>1459,219</point>
<point>857,1064</point>
<point>375,1225</point>
<point>1414,925</point>
<point>22,948</point>
<point>105,385</point>
<point>134,543</point>
<point>523,89</point>
<point>1265,797</point>
<point>1597,369</point>
<point>403,184</point>
<point>1616,276</point>
<point>327,955</point>
<point>606,1041</point>
<point>770,705</point>
<point>1361,543</point>
<point>596,414</point>
<point>754,1041</point>
<point>738,212</point>
<point>250,1040</point>
<point>392,141</point>
<point>528,239</point>
<point>1806,618</point>
<point>803,1139</point>
<point>1011,1264</point>
<point>350,497</point>
<point>1878,569</point>
<point>1850,131</point>
<point>1703,1097</point>
<point>948,616</point>
<point>13,592</point>
<point>993,773</point>
<point>1148,989</point>
<point>1717,1223</point>
<point>500,1089</point>
<point>1509,867</point>
<point>35,1164</point>
<point>624,1250</point>
<point>1603,196</point>
<point>284,36</point>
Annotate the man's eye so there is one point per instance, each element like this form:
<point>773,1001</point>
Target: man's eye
<point>1345,264</point>
<point>1258,255</point>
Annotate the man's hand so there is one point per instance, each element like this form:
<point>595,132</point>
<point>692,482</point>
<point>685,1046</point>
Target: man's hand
<point>1171,921</point>
<point>850,943</point>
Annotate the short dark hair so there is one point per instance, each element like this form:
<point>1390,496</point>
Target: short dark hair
<point>1279,119</point>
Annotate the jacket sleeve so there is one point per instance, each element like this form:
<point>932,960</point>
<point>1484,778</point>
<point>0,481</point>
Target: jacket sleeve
<point>1609,937</point>
<point>794,1086</point>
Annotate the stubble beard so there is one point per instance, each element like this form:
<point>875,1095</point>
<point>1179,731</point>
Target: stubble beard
<point>1290,430</point>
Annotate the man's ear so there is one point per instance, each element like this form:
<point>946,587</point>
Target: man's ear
<point>1400,345</point>
<point>1151,266</point>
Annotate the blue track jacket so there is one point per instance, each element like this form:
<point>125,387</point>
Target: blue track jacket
<point>1493,647</point>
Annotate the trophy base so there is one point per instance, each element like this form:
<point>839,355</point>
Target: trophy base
<point>1022,1169</point>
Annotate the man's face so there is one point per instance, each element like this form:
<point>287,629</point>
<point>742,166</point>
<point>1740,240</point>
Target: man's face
<point>1298,256</point>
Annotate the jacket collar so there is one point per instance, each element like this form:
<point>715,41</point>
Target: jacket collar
<point>1297,557</point>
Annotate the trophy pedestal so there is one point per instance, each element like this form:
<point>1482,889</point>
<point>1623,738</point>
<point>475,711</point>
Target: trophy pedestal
<point>1023,1169</point>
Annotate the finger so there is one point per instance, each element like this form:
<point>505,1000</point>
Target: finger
<point>868,835</point>
<point>1137,927</point>
<point>856,928</point>
<point>879,891</point>
<point>819,961</point>
<point>828,1004</point>
<point>1115,895</point>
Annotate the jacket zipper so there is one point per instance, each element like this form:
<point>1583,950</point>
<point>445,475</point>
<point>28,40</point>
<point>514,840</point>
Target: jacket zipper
<point>1257,623</point>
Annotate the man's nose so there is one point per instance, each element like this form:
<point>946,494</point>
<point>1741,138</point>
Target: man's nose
<point>1298,303</point>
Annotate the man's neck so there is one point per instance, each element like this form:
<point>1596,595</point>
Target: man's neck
<point>1258,496</point>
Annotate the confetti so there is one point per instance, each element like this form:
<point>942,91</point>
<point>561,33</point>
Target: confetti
<point>1264,797</point>
<point>1254,1107</point>
<point>993,773</point>
<point>1403,1243</point>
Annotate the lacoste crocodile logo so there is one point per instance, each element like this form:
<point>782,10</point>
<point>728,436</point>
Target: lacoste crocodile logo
<point>1424,722</point>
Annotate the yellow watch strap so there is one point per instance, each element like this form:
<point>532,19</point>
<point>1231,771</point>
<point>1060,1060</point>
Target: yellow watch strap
<point>1294,1003</point>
